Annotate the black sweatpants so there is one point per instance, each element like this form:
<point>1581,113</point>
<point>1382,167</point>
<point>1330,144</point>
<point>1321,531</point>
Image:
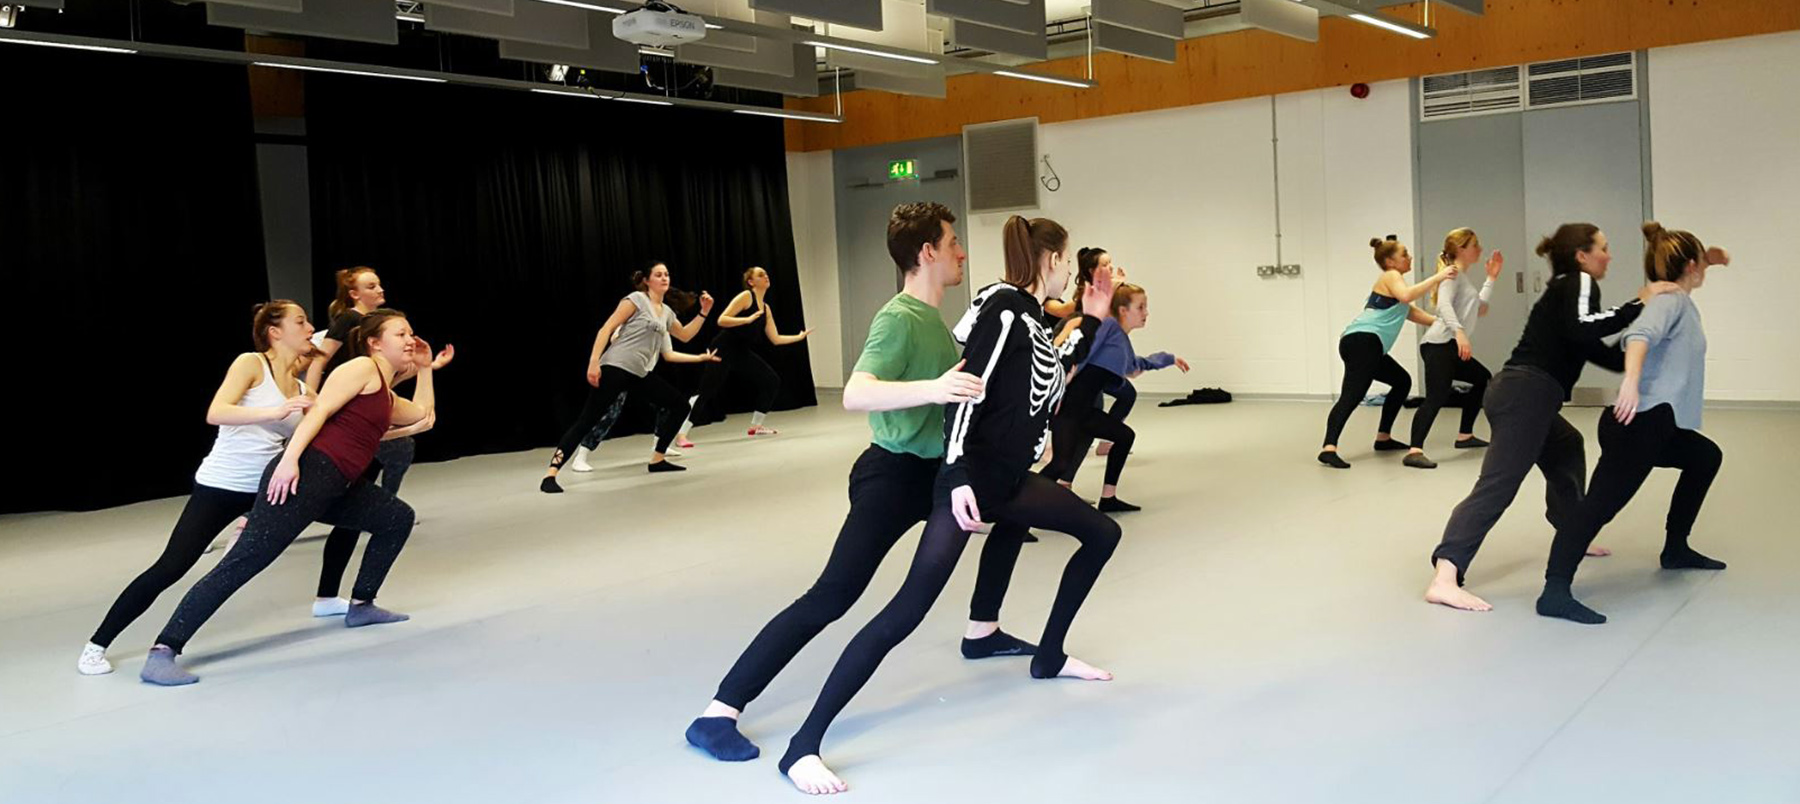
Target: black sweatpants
<point>1038,503</point>
<point>324,495</point>
<point>615,381</point>
<point>1366,362</point>
<point>1442,367</point>
<point>1124,398</point>
<point>1523,407</point>
<point>1627,454</point>
<point>207,512</point>
<point>889,493</point>
<point>745,363</point>
<point>392,459</point>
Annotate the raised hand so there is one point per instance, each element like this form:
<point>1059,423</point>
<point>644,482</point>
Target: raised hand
<point>447,354</point>
<point>706,303</point>
<point>711,356</point>
<point>1181,364</point>
<point>1494,264</point>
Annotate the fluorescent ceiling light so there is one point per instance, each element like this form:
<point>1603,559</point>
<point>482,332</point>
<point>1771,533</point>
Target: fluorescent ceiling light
<point>573,93</point>
<point>349,72</point>
<point>662,54</point>
<point>588,6</point>
<point>1067,82</point>
<point>791,116</point>
<point>95,48</point>
<point>1396,27</point>
<point>868,52</point>
<point>644,100</point>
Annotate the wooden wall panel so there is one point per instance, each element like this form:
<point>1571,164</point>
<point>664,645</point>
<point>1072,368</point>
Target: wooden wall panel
<point>1250,64</point>
<point>276,93</point>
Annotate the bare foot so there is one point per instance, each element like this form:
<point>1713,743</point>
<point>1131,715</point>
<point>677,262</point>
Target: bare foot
<point>1076,668</point>
<point>1455,597</point>
<point>683,443</point>
<point>1104,448</point>
<point>813,778</point>
<point>1599,552</point>
<point>761,430</point>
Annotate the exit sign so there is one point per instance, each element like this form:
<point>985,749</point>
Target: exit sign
<point>903,169</point>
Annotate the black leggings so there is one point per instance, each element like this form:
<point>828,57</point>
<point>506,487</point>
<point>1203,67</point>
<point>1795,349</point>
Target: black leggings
<point>1442,366</point>
<point>1038,503</point>
<point>323,496</point>
<point>1074,428</point>
<point>889,493</point>
<point>1365,361</point>
<point>744,362</point>
<point>1627,454</point>
<point>598,434</point>
<point>1522,406</point>
<point>208,511</point>
<point>614,382</point>
<point>392,459</point>
<point>1124,397</point>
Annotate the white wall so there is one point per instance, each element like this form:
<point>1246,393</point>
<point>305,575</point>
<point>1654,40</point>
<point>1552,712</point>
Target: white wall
<point>1725,162</point>
<point>811,201</point>
<point>1184,199</point>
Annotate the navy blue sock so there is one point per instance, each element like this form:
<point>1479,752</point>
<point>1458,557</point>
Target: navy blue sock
<point>998,643</point>
<point>719,736</point>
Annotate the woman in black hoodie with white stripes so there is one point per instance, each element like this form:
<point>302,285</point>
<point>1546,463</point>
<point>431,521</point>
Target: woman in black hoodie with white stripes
<point>991,444</point>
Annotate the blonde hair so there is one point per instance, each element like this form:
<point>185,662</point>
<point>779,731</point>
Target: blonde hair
<point>1457,240</point>
<point>1667,252</point>
<point>1122,296</point>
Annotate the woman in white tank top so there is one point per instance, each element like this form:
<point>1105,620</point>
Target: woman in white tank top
<point>256,408</point>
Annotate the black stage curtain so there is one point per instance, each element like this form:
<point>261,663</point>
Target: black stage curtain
<point>508,223</point>
<point>131,245</point>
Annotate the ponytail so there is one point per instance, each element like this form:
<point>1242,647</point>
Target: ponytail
<point>346,282</point>
<point>1025,242</point>
<point>1667,253</point>
<point>266,315</point>
<point>1560,248</point>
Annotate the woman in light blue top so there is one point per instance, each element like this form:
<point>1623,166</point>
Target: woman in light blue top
<point>1654,423</point>
<point>1365,344</point>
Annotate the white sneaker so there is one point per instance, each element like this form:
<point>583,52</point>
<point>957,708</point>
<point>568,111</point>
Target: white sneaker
<point>579,462</point>
<point>334,607</point>
<point>93,661</point>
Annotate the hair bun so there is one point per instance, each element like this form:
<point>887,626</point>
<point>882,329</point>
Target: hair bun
<point>1653,231</point>
<point>1374,242</point>
<point>1544,246</point>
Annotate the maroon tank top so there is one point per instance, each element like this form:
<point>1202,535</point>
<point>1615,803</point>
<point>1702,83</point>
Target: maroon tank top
<point>351,436</point>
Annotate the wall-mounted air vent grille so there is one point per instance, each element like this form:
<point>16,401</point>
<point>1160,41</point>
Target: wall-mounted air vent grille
<point>1000,161</point>
<point>1466,94</point>
<point>1591,79</point>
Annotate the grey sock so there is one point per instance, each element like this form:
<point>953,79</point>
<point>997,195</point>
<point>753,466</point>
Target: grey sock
<point>160,669</point>
<point>361,614</point>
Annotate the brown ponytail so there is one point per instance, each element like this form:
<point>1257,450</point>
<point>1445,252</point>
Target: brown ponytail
<point>1087,261</point>
<point>1561,248</point>
<point>346,282</point>
<point>1025,242</point>
<point>1667,253</point>
<point>266,315</point>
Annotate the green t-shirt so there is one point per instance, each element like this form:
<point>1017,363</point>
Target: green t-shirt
<point>908,341</point>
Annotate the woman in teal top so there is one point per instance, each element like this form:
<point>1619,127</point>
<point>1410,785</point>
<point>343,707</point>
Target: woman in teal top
<point>1365,344</point>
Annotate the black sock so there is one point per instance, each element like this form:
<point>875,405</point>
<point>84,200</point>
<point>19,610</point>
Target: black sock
<point>1685,557</point>
<point>665,466</point>
<point>719,736</point>
<point>1114,505</point>
<point>1558,601</point>
<point>549,486</point>
<point>1330,458</point>
<point>1471,443</point>
<point>998,643</point>
<point>1391,444</point>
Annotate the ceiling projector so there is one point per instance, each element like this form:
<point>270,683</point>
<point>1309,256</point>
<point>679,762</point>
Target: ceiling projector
<point>659,24</point>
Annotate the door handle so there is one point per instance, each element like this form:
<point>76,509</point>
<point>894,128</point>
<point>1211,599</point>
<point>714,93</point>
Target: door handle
<point>1520,283</point>
<point>1537,284</point>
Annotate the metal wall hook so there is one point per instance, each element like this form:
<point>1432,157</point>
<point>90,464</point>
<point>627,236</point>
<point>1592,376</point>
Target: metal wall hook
<point>1052,182</point>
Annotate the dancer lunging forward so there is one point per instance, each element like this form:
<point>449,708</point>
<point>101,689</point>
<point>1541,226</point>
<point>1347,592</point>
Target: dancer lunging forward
<point>1446,350</point>
<point>991,443</point>
<point>745,317</point>
<point>1524,402</point>
<point>907,372</point>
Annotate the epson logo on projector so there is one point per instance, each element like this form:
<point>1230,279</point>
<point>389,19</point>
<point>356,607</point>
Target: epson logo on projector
<point>659,26</point>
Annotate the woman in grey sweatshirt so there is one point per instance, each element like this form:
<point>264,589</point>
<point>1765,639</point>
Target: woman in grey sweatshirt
<point>1445,348</point>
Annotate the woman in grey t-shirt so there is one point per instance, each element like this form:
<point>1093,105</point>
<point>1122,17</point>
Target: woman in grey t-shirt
<point>645,325</point>
<point>1654,423</point>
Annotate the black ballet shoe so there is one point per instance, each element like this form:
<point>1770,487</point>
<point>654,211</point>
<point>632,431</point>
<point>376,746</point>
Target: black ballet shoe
<point>1417,460</point>
<point>1391,444</point>
<point>1689,559</point>
<point>998,643</point>
<point>1331,459</point>
<point>1471,443</point>
<point>665,466</point>
<point>549,486</point>
<point>1114,505</point>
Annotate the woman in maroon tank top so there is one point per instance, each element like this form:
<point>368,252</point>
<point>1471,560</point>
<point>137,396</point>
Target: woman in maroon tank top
<point>319,478</point>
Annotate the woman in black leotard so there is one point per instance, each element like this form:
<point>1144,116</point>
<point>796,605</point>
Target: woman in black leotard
<point>745,318</point>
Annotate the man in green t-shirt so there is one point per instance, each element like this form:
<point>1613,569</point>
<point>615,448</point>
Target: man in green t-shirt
<point>907,372</point>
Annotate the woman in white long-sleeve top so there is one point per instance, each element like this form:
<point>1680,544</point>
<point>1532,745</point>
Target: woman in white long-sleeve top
<point>1446,349</point>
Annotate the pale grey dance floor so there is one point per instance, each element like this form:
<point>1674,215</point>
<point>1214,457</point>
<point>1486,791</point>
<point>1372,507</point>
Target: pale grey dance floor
<point>1263,616</point>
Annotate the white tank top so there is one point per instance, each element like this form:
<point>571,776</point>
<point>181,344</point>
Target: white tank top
<point>242,451</point>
